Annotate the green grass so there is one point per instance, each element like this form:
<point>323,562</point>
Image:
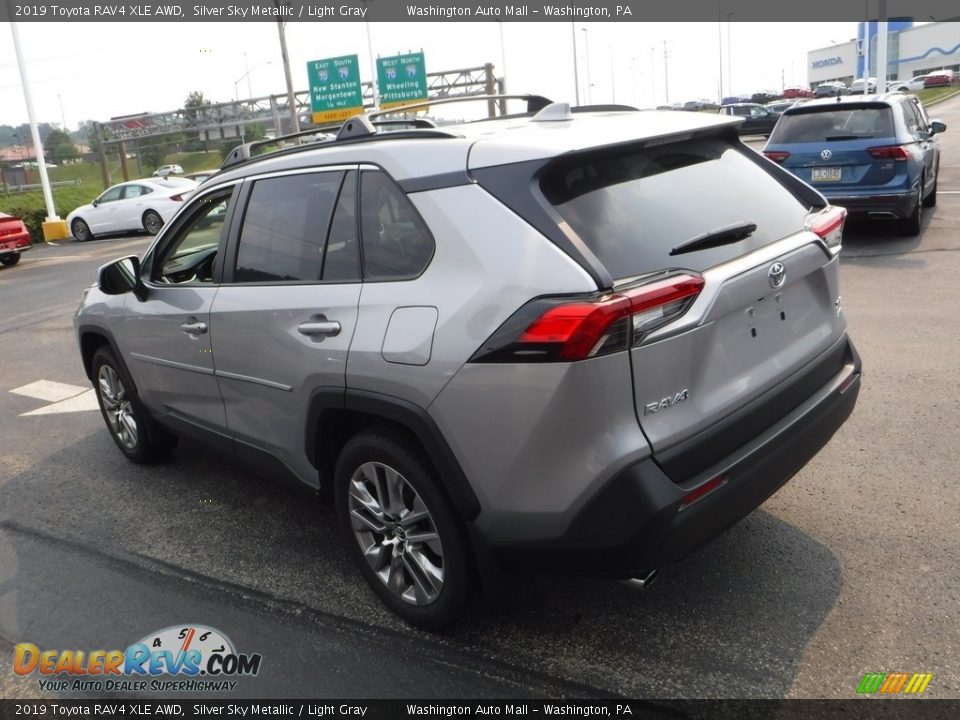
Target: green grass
<point>31,208</point>
<point>929,95</point>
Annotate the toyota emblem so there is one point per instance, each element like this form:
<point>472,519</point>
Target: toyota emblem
<point>776,275</point>
<point>826,154</point>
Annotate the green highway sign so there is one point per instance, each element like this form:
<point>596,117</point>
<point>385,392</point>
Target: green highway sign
<point>402,80</point>
<point>335,92</point>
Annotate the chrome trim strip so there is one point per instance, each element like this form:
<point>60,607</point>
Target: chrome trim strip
<point>170,363</point>
<point>254,380</point>
<point>716,276</point>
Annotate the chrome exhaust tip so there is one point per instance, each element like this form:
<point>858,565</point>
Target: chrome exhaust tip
<point>642,581</point>
<point>881,215</point>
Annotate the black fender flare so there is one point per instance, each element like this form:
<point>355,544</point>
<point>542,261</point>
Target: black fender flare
<point>402,412</point>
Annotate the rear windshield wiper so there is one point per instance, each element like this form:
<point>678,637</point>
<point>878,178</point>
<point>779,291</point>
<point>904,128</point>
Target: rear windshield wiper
<point>715,238</point>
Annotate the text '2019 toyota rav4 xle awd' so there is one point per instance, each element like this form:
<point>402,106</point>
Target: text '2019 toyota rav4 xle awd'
<point>587,341</point>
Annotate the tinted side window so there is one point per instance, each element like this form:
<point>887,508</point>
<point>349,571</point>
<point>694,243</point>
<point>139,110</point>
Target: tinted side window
<point>396,242</point>
<point>111,194</point>
<point>285,226</point>
<point>912,118</point>
<point>342,261</point>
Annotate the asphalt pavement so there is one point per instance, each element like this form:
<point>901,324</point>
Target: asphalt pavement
<point>851,568</point>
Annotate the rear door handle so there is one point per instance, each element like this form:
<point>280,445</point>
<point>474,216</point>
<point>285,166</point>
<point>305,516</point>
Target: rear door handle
<point>319,327</point>
<point>194,327</point>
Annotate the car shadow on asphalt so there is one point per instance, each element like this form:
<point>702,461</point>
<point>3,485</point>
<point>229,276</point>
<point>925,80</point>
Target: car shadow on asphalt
<point>732,620</point>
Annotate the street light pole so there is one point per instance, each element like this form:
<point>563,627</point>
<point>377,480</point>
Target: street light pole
<point>54,228</point>
<point>729,57</point>
<point>576,74</point>
<point>586,58</point>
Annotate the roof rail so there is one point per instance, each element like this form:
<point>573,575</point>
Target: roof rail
<point>535,103</point>
<point>358,126</point>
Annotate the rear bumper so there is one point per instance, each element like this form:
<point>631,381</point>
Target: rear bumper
<point>636,522</point>
<point>893,205</point>
<point>15,244</point>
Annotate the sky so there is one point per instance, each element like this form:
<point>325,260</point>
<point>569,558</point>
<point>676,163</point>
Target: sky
<point>95,71</point>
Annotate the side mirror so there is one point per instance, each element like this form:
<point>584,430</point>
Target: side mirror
<point>96,202</point>
<point>122,276</point>
<point>936,126</point>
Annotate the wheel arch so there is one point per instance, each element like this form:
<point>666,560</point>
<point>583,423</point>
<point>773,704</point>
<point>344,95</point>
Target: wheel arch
<point>336,414</point>
<point>92,338</point>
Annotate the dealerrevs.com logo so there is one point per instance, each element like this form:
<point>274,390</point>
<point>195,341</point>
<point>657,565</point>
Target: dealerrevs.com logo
<point>183,658</point>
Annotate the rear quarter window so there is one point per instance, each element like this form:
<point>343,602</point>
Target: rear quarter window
<point>632,207</point>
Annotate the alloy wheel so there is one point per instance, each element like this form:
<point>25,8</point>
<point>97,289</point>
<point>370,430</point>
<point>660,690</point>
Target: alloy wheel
<point>117,407</point>
<point>397,535</point>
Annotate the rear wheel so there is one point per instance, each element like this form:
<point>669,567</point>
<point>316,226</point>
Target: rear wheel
<point>10,259</point>
<point>912,225</point>
<point>130,426</point>
<point>152,222</point>
<point>80,230</point>
<point>402,530</point>
<point>931,199</point>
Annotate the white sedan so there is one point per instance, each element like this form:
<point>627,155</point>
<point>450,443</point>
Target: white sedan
<point>130,206</point>
<point>911,85</point>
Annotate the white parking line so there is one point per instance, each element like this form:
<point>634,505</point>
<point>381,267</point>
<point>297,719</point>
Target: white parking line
<point>83,402</point>
<point>64,398</point>
<point>49,390</point>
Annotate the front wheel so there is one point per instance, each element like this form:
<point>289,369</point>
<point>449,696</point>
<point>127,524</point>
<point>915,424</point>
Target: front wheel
<point>130,426</point>
<point>402,529</point>
<point>152,222</point>
<point>10,259</point>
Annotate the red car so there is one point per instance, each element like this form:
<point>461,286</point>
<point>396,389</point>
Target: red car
<point>14,239</point>
<point>797,92</point>
<point>938,80</point>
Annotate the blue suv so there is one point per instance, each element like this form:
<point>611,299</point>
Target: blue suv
<point>878,157</point>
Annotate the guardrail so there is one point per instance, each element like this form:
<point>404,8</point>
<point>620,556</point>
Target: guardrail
<point>10,188</point>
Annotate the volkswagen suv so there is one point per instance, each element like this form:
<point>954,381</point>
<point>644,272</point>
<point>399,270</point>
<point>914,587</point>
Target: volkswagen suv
<point>877,157</point>
<point>586,340</point>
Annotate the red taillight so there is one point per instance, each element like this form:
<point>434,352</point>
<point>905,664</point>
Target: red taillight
<point>577,327</point>
<point>552,330</point>
<point>889,152</point>
<point>777,155</point>
<point>828,224</point>
<point>177,198</point>
<point>701,492</point>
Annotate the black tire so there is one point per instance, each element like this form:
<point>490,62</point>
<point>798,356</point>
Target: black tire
<point>913,224</point>
<point>147,441</point>
<point>80,230</point>
<point>383,450</point>
<point>931,199</point>
<point>152,222</point>
<point>10,259</point>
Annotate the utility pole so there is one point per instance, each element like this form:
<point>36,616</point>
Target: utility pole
<point>291,100</point>
<point>719,58</point>
<point>586,57</point>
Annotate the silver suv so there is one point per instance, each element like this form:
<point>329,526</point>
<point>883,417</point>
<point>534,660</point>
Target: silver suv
<point>577,340</point>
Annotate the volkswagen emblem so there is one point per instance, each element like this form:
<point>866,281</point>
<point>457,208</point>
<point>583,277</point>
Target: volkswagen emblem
<point>776,275</point>
<point>826,154</point>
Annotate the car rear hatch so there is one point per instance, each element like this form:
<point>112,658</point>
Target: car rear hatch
<point>837,148</point>
<point>744,295</point>
<point>12,232</point>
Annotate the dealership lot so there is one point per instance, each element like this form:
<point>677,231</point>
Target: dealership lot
<point>851,568</point>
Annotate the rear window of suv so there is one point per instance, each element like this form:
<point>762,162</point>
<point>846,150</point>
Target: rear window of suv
<point>835,124</point>
<point>632,207</point>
